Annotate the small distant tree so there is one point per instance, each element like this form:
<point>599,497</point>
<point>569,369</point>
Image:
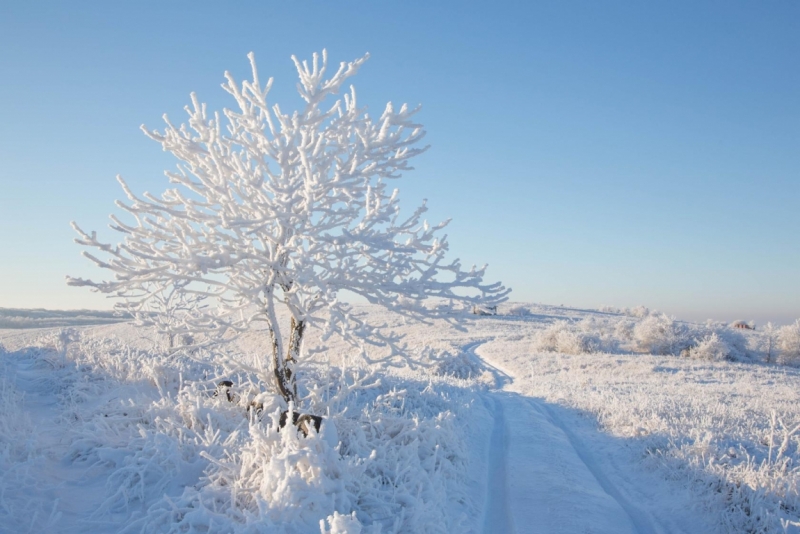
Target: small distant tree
<point>275,209</point>
<point>168,308</point>
<point>789,343</point>
<point>770,337</point>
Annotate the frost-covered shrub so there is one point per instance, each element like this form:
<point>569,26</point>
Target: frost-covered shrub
<point>638,311</point>
<point>623,330</point>
<point>519,310</point>
<point>599,335</point>
<point>660,334</point>
<point>738,346</point>
<point>340,524</point>
<point>461,366</point>
<point>789,343</point>
<point>390,458</point>
<point>563,337</point>
<point>710,348</point>
<point>58,343</point>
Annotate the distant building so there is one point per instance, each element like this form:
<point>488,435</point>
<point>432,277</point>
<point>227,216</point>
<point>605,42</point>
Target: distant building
<point>484,310</point>
<point>743,325</point>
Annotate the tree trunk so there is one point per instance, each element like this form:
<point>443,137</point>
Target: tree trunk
<point>296,330</point>
<point>284,366</point>
<point>282,374</point>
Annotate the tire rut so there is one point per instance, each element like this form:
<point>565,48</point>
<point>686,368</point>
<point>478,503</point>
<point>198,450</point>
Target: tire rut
<point>497,516</point>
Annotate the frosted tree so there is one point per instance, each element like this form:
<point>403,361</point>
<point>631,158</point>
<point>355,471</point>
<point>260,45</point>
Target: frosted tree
<point>770,338</point>
<point>789,343</point>
<point>168,308</point>
<point>275,209</point>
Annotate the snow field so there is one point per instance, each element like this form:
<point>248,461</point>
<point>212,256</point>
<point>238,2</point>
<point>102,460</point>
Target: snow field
<point>508,425</point>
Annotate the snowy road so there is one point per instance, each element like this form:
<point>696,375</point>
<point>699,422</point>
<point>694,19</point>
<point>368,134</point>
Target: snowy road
<point>498,518</point>
<point>542,478</point>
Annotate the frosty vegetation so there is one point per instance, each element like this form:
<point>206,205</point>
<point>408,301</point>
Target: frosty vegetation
<point>283,210</point>
<point>174,456</point>
<point>657,333</point>
<point>788,338</point>
<point>695,401</point>
<point>102,429</point>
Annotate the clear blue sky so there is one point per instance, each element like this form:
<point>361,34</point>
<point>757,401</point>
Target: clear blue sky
<point>593,153</point>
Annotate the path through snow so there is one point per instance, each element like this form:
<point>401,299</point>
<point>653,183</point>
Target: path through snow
<point>498,519</point>
<point>542,479</point>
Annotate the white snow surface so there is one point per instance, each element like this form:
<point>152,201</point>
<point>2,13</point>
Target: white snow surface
<point>540,419</point>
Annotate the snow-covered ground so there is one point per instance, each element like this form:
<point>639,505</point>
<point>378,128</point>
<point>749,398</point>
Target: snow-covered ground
<point>540,419</point>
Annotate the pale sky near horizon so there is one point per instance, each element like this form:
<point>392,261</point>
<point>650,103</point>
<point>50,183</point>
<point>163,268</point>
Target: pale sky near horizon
<point>593,153</point>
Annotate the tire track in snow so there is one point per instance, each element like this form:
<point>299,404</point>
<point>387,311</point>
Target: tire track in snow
<point>497,516</point>
<point>640,520</point>
<point>553,448</point>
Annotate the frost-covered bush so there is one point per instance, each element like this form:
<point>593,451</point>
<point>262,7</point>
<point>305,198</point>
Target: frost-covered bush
<point>789,343</point>
<point>623,330</point>
<point>563,337</point>
<point>461,366</point>
<point>340,524</point>
<point>710,348</point>
<point>390,458</point>
<point>519,310</point>
<point>660,334</point>
<point>655,334</point>
<point>739,348</point>
<point>599,335</point>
